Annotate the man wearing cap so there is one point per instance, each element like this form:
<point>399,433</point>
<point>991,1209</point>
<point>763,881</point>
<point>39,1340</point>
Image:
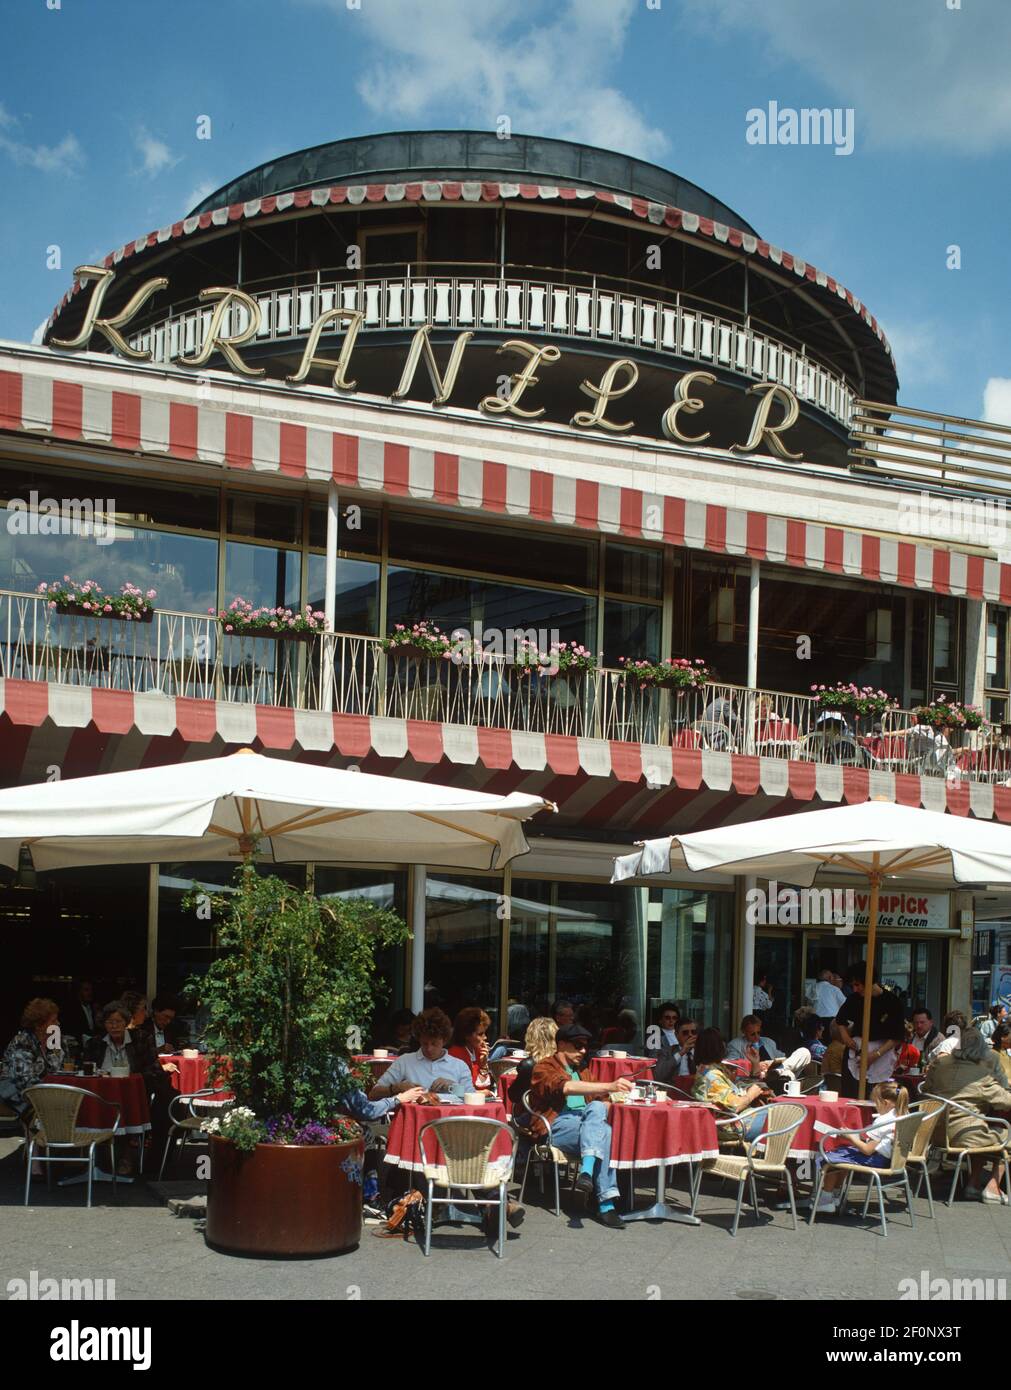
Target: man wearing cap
<point>578,1122</point>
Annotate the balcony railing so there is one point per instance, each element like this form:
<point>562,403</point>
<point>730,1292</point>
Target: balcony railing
<point>515,303</point>
<point>181,654</point>
<point>925,449</point>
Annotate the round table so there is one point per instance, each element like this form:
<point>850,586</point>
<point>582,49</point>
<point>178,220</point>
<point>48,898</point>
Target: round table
<point>659,1136</point>
<point>822,1115</point>
<point>505,1080</point>
<point>129,1091</point>
<point>410,1120</point>
<point>377,1065</point>
<point>912,1081</point>
<point>610,1068</point>
<point>193,1075</point>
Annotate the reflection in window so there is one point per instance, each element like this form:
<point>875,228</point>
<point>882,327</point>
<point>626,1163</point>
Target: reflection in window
<point>264,576</point>
<point>694,953</point>
<point>462,943</point>
<point>456,601</point>
<point>631,630</point>
<point>357,607</point>
<point>386,889</point>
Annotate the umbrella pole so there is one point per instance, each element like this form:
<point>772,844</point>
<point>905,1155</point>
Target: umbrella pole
<point>872,931</point>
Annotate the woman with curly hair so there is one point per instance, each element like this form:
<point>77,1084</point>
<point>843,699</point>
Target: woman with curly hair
<point>540,1042</point>
<point>34,1050</point>
<point>470,1045</point>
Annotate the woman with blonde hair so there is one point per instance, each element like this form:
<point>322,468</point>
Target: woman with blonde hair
<point>540,1043</point>
<point>873,1147</point>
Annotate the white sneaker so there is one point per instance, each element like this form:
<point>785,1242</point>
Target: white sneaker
<point>828,1201</point>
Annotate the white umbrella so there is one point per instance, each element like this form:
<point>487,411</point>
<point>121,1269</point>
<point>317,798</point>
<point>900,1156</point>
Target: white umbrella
<point>220,808</point>
<point>877,840</point>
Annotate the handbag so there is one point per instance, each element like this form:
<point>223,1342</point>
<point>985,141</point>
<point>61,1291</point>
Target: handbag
<point>405,1216</point>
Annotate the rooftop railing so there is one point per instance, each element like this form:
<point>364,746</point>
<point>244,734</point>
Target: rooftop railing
<point>920,448</point>
<point>182,654</point>
<point>522,300</point>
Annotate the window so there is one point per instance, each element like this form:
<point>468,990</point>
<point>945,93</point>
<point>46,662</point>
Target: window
<point>263,576</point>
<point>498,550</point>
<point>357,600</point>
<point>457,601</point>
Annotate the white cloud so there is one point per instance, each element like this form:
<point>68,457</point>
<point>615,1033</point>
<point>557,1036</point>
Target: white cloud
<point>997,400</point>
<point>916,73</point>
<point>155,154</point>
<point>918,346</point>
<point>64,158</point>
<point>549,76</point>
<point>199,193</point>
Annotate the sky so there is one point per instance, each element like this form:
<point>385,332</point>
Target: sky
<point>101,102</point>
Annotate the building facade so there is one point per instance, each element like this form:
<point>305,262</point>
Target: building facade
<point>539,396</point>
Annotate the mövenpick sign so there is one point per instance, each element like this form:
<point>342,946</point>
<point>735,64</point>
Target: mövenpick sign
<point>617,380</point>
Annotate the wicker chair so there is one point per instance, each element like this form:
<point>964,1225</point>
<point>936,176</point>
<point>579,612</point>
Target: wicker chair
<point>56,1109</point>
<point>467,1165</point>
<point>919,1155</point>
<point>745,1168</point>
<point>1000,1129</point>
<point>185,1121</point>
<point>502,1065</point>
<point>905,1135</point>
<point>543,1151</point>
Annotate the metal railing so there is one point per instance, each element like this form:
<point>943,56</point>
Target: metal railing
<point>182,654</point>
<point>516,303</point>
<point>920,447</point>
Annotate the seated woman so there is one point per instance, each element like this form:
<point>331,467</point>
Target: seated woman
<point>968,1077</point>
<point>540,1042</point>
<point>117,1046</point>
<point>398,1037</point>
<point>1000,1041</point>
<point>33,1052</point>
<point>470,1045</point>
<point>891,1101</point>
<point>714,1085</point>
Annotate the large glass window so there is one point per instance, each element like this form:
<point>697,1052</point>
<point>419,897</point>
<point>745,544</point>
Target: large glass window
<point>385,888</point>
<point>463,932</point>
<point>718,618</point>
<point>458,601</point>
<point>947,632</point>
<point>690,953</point>
<point>481,549</point>
<point>264,576</point>
<point>357,603</point>
<point>264,518</point>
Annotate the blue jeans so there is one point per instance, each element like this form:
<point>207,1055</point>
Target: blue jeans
<point>586,1132</point>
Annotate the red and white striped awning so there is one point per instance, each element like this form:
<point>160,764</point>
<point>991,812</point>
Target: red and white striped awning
<point>434,191</point>
<point>614,779</point>
<point>72,401</point>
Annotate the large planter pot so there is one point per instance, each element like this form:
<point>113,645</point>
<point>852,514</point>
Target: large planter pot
<point>285,1199</point>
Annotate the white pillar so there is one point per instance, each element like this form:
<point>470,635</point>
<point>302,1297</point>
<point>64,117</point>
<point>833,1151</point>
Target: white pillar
<point>417,925</point>
<point>746,966</point>
<point>974,676</point>
<point>330,594</point>
<point>753,597</point>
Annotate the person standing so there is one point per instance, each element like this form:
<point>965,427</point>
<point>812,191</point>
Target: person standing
<point>887,1032</point>
<point>828,999</point>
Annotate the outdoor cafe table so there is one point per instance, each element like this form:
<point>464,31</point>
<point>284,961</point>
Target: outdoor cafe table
<point>660,1136</point>
<point>410,1120</point>
<point>192,1075</point>
<point>504,1082</point>
<point>911,1080</point>
<point>610,1068</point>
<point>377,1065</point>
<point>823,1115</point>
<point>130,1092</point>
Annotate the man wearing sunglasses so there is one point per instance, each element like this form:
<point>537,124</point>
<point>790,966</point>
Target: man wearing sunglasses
<point>680,1061</point>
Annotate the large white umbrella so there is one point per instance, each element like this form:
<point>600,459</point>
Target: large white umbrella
<point>220,808</point>
<point>877,840</point>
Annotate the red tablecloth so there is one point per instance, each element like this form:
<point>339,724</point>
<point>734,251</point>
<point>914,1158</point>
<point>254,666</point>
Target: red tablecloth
<point>835,1114</point>
<point>377,1065</point>
<point>644,1136</point>
<point>129,1091</point>
<point>504,1082</point>
<point>911,1080</point>
<point>192,1075</point>
<point>610,1068</point>
<point>410,1120</point>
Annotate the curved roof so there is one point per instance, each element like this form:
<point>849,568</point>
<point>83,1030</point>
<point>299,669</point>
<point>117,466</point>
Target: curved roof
<point>468,155</point>
<point>658,214</point>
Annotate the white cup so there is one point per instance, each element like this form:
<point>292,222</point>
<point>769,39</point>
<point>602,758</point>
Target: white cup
<point>615,1053</point>
<point>474,1098</point>
<point>663,1096</point>
<point>380,1052</point>
<point>792,1088</point>
<point>828,1095</point>
<point>190,1052</point>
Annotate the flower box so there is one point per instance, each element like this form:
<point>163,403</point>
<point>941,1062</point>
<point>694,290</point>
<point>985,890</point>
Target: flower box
<point>76,610</point>
<point>85,599</point>
<point>241,619</point>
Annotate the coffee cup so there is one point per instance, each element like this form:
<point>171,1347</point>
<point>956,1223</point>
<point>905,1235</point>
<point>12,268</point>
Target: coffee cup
<point>663,1096</point>
<point>380,1052</point>
<point>616,1053</point>
<point>792,1088</point>
<point>190,1052</point>
<point>474,1098</point>
<point>828,1095</point>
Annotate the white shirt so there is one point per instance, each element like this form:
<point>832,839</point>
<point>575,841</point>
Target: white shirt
<point>760,1000</point>
<point>883,1130</point>
<point>115,1056</point>
<point>828,999</point>
<point>945,1045</point>
<point>670,1036</point>
<point>415,1068</point>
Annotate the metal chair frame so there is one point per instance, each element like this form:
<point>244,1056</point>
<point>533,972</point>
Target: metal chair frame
<point>76,1157</point>
<point>749,1174</point>
<point>187,1124</point>
<point>502,1187</point>
<point>995,1149</point>
<point>873,1175</point>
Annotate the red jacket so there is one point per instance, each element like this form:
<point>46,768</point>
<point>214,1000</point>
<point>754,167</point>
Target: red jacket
<point>482,1080</point>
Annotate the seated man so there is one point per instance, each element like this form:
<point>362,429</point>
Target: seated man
<point>161,1027</point>
<point>751,1046</point>
<point>680,1059</point>
<point>431,1067</point>
<point>579,1124</point>
<point>662,1037</point>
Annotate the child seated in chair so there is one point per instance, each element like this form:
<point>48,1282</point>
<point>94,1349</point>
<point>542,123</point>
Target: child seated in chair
<point>891,1101</point>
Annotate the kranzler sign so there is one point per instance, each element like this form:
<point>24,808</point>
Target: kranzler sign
<point>342,326</point>
<point>904,911</point>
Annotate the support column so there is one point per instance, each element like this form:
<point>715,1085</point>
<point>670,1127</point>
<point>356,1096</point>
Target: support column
<point>746,952</point>
<point>754,594</point>
<point>330,594</point>
<point>152,930</point>
<point>417,924</point>
<point>974,676</point>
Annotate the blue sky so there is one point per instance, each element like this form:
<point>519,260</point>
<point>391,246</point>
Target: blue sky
<point>99,105</point>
